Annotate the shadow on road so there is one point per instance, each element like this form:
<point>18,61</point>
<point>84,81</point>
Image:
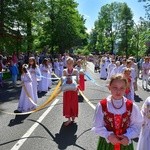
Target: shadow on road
<point>66,136</point>
<point>137,98</point>
<point>17,120</point>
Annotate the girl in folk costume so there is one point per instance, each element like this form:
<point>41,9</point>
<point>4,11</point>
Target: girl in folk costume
<point>133,76</point>
<point>61,67</point>
<point>103,70</point>
<point>44,83</point>
<point>145,71</point>
<point>129,90</point>
<point>56,67</point>
<point>81,75</point>
<point>25,103</point>
<point>117,120</point>
<point>144,138</point>
<point>35,75</point>
<point>70,98</point>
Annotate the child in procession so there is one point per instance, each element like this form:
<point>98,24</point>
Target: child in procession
<point>44,82</point>
<point>14,73</point>
<point>130,87</point>
<point>81,75</point>
<point>25,103</point>
<point>117,120</point>
<point>34,70</point>
<point>144,138</point>
<point>70,97</point>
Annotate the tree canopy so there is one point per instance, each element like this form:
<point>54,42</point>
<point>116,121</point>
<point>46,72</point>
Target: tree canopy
<point>116,32</point>
<point>33,24</point>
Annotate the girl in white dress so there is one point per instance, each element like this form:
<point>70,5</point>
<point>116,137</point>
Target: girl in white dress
<point>44,83</point>
<point>35,75</point>
<point>110,67</point>
<point>50,66</point>
<point>115,70</point>
<point>61,67</point>
<point>103,70</point>
<point>56,67</point>
<point>144,138</point>
<point>27,92</point>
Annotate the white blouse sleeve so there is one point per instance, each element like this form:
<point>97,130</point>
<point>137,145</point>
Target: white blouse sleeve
<point>98,123</point>
<point>136,122</point>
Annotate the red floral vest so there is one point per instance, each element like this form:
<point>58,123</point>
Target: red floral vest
<point>117,123</point>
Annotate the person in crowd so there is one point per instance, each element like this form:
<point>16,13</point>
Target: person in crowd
<point>130,87</point>
<point>61,67</point>
<point>50,66</point>
<point>1,71</point>
<point>44,82</point>
<point>133,76</point>
<point>70,98</point>
<point>115,70</point>
<point>144,138</point>
<point>84,63</point>
<point>56,67</point>
<point>123,65</point>
<point>26,97</point>
<point>15,58</point>
<point>35,75</point>
<point>103,70</point>
<point>81,75</point>
<point>110,67</point>
<point>14,73</point>
<point>96,64</point>
<point>145,70</point>
<point>135,66</point>
<point>117,120</point>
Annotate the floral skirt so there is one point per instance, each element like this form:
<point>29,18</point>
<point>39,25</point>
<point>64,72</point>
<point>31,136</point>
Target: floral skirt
<point>103,145</point>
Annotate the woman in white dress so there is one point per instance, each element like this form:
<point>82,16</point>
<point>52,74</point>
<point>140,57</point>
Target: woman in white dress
<point>27,92</point>
<point>44,83</point>
<point>144,138</point>
<point>35,75</point>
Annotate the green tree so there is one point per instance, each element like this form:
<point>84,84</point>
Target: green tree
<point>113,27</point>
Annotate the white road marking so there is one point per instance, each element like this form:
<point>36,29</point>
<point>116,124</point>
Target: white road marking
<point>33,127</point>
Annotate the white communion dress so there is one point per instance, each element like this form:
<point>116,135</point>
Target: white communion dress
<point>144,138</point>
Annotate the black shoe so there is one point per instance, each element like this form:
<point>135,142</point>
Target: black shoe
<point>17,111</point>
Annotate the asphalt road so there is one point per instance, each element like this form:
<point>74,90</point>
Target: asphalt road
<point>44,130</point>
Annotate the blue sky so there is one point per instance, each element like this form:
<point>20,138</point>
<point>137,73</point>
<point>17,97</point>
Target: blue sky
<point>90,9</point>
